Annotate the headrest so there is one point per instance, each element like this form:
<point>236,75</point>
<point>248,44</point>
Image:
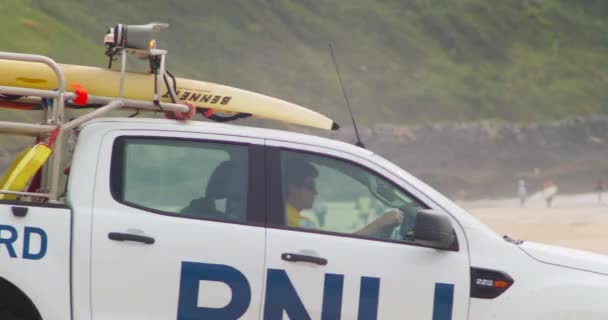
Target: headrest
<point>226,179</point>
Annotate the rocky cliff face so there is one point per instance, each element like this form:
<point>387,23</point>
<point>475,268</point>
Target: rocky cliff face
<point>485,159</point>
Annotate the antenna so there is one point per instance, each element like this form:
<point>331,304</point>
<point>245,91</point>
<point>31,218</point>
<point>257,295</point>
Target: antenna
<point>350,111</point>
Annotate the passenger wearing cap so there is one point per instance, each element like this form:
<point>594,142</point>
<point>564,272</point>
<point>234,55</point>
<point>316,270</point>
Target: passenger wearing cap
<point>300,194</point>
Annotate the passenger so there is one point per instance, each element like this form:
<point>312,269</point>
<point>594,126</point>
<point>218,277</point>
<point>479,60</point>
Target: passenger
<point>522,192</point>
<point>550,191</point>
<point>300,195</point>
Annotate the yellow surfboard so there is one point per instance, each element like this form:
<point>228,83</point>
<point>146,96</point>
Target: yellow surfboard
<point>23,168</point>
<point>140,86</point>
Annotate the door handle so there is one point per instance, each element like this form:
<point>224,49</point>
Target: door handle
<point>118,236</point>
<point>293,257</point>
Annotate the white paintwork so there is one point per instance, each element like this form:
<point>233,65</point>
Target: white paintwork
<point>138,281</point>
<point>47,280</point>
<point>570,258</point>
<point>81,189</point>
<point>545,292</point>
<point>408,273</point>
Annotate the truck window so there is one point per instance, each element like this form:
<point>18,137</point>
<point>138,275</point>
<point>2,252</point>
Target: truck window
<point>181,177</point>
<point>327,194</point>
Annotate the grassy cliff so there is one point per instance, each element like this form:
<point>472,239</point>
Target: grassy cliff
<point>403,62</point>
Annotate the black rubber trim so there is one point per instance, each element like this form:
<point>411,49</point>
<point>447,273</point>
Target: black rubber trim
<point>335,126</point>
<point>294,257</point>
<point>19,211</point>
<point>483,283</point>
<point>117,167</point>
<point>358,237</point>
<point>276,207</point>
<point>256,193</point>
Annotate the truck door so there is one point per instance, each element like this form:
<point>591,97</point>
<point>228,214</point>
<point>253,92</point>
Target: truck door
<point>178,227</point>
<point>327,257</point>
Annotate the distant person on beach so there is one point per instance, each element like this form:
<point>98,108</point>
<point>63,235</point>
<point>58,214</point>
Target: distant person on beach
<point>549,191</point>
<point>599,188</point>
<point>522,192</point>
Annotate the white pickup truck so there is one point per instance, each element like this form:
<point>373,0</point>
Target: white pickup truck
<point>169,220</point>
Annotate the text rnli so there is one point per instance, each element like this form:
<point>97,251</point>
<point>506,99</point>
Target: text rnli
<point>200,97</point>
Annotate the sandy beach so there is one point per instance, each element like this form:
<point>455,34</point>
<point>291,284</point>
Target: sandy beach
<point>574,221</point>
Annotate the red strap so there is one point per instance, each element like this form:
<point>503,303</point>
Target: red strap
<point>36,182</point>
<point>53,137</point>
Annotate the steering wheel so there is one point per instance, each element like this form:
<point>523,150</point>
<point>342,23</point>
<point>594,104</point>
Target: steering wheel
<point>386,232</point>
<point>409,218</point>
<point>406,229</point>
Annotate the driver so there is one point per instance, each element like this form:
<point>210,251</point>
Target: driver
<point>300,194</point>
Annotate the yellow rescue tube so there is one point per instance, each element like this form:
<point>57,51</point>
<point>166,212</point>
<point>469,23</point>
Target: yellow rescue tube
<point>140,86</point>
<point>23,168</point>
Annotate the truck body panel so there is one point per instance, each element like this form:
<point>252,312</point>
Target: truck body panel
<point>35,244</point>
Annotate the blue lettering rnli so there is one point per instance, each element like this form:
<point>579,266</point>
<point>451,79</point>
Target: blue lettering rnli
<point>9,236</point>
<point>191,275</point>
<point>282,297</point>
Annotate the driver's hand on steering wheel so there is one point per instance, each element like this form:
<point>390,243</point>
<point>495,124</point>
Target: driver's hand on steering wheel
<point>391,218</point>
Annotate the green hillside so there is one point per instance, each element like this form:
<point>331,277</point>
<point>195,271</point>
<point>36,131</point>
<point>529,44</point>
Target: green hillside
<point>402,61</point>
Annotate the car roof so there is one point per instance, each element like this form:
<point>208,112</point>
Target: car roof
<point>122,123</point>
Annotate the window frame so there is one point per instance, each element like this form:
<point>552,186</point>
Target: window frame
<point>256,206</point>
<point>276,207</point>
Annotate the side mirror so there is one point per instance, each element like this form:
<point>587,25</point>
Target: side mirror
<point>434,229</point>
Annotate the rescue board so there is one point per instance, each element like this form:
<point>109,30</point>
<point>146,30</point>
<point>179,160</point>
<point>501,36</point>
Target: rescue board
<point>140,86</point>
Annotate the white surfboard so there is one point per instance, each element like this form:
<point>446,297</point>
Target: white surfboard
<point>140,86</point>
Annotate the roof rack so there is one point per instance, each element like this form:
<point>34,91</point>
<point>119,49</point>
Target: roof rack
<point>53,117</point>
